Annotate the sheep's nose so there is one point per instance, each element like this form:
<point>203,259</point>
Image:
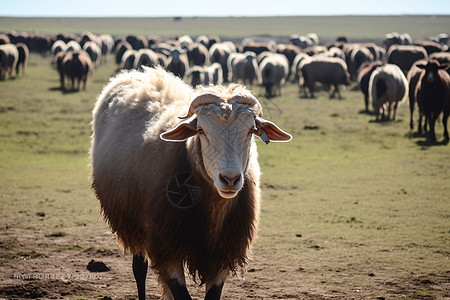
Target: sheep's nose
<point>230,180</point>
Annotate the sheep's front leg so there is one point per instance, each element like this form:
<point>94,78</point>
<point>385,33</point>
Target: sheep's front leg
<point>214,288</point>
<point>140,266</point>
<point>174,284</point>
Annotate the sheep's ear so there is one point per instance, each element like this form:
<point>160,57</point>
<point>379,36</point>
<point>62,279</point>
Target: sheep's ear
<point>269,131</point>
<point>181,132</point>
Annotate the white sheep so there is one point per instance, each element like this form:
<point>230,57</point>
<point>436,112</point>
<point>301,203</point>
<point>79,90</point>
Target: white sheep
<point>388,87</point>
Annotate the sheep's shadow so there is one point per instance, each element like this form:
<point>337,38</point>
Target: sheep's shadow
<point>63,91</point>
<point>427,143</point>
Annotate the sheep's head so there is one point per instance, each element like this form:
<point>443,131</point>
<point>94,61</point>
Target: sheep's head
<point>431,68</point>
<point>225,121</point>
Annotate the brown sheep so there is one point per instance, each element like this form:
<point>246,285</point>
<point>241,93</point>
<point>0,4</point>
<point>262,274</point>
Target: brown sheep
<point>179,195</point>
<point>326,70</point>
<point>433,95</point>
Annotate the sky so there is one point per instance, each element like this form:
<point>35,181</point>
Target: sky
<point>215,8</point>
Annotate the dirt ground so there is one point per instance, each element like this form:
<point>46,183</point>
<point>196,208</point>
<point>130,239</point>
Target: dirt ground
<point>60,272</point>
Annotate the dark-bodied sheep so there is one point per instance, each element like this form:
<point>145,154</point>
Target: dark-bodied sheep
<point>94,51</point>
<point>179,194</point>
<point>178,62</point>
<point>274,72</point>
<point>121,48</point>
<point>219,53</point>
<point>388,88</point>
<point>145,57</point>
<point>24,55</point>
<point>198,55</point>
<point>433,95</point>
<point>405,56</point>
<point>363,79</point>
<point>77,66</point>
<point>413,78</point>
<point>326,70</point>
<point>9,55</point>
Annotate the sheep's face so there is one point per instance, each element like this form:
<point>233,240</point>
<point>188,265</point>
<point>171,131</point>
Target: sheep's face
<point>225,139</point>
<point>225,132</point>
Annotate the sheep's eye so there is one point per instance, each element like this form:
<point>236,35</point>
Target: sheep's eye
<point>200,130</point>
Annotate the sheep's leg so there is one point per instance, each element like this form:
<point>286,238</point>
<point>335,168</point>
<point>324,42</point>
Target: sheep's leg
<point>395,110</point>
<point>174,283</point>
<point>140,266</point>
<point>214,288</point>
<point>431,121</point>
<point>444,123</point>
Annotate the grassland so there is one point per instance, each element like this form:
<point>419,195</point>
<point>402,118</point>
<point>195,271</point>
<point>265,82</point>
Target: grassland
<point>352,209</point>
<point>328,28</point>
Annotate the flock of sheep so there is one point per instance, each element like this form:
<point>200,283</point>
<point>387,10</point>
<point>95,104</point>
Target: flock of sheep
<point>208,60</point>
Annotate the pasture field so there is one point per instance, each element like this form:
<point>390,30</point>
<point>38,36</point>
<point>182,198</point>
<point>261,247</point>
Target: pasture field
<point>328,27</point>
<point>352,208</point>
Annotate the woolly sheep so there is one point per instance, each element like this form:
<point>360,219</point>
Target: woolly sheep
<point>405,56</point>
<point>243,67</point>
<point>274,72</point>
<point>9,56</point>
<point>209,219</point>
<point>326,70</point>
<point>388,87</point>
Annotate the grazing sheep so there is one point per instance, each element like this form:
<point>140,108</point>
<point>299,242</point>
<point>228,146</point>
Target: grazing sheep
<point>107,45</point>
<point>196,76</point>
<point>387,87</point>
<point>243,67</point>
<point>178,62</point>
<point>257,48</point>
<point>219,53</point>
<point>94,51</point>
<point>206,75</point>
<point>73,46</point>
<point>326,70</point>
<point>9,55</point>
<point>128,59</point>
<point>359,55</point>
<point>364,73</point>
<point>413,78</point>
<point>296,64</point>
<point>274,72</point>
<point>145,57</point>
<point>433,95</point>
<point>405,56</point>
<point>179,194</point>
<point>121,48</point>
<point>24,55</point>
<point>396,38</point>
<point>441,57</point>
<point>78,67</point>
<point>4,39</point>
<point>198,55</point>
<point>58,46</point>
<point>290,51</point>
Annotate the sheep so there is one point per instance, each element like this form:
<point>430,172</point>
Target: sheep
<point>359,55</point>
<point>128,59</point>
<point>73,46</point>
<point>178,62</point>
<point>413,78</point>
<point>107,45</point>
<point>219,53</point>
<point>290,51</point>
<point>206,75</point>
<point>388,87</point>
<point>405,56</point>
<point>77,65</point>
<point>145,57</point>
<point>326,70</point>
<point>121,48</point>
<point>9,56</point>
<point>24,55</point>
<point>364,73</point>
<point>274,72</point>
<point>57,47</point>
<point>396,38</point>
<point>243,67</point>
<point>433,95</point>
<point>94,51</point>
<point>179,193</point>
<point>198,55</point>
